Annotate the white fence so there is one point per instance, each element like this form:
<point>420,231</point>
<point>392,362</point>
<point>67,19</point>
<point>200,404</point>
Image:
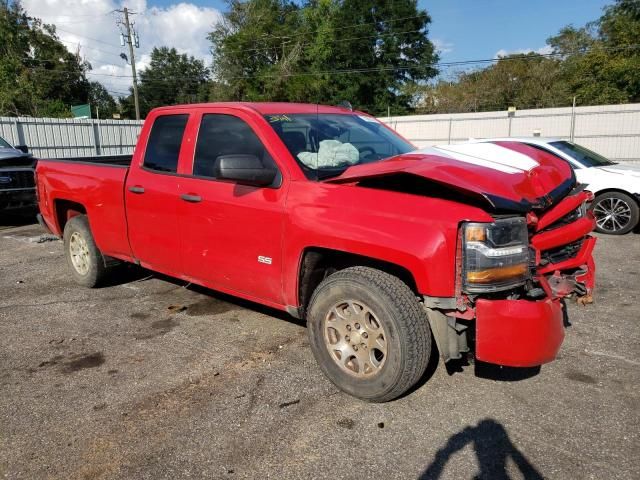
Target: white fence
<point>611,130</point>
<point>70,137</point>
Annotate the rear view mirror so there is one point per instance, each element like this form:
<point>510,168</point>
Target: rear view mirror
<point>244,169</point>
<point>22,148</point>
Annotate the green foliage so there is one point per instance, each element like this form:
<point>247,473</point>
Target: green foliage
<point>324,51</point>
<point>525,81</point>
<point>601,62</point>
<point>101,100</point>
<point>171,78</point>
<point>38,75</point>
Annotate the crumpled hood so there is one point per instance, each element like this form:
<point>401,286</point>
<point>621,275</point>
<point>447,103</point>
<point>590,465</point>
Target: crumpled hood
<point>509,175</point>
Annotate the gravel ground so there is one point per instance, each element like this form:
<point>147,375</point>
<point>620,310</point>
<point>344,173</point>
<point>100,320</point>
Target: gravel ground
<point>150,378</point>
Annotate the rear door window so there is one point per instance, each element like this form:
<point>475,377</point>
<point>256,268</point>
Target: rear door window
<point>164,144</point>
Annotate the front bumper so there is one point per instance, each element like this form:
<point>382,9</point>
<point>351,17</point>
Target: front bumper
<point>518,333</point>
<point>525,328</point>
<point>524,333</point>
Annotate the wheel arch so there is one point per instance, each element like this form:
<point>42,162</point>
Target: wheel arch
<point>64,210</point>
<point>616,190</point>
<point>316,263</point>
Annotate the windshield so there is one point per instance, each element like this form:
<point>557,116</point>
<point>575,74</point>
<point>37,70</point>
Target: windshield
<point>583,156</point>
<point>4,144</point>
<point>325,145</point>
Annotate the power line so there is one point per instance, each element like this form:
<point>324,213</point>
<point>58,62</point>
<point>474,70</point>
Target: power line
<point>81,22</point>
<point>356,25</point>
<point>88,38</point>
<point>525,57</point>
<point>90,48</point>
<point>362,24</point>
<point>97,16</point>
<point>93,15</point>
<point>338,41</point>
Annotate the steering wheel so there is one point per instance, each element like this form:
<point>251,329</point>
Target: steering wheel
<point>370,151</point>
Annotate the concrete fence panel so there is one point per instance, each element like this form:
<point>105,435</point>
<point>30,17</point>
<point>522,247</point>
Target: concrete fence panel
<point>71,137</point>
<point>611,130</point>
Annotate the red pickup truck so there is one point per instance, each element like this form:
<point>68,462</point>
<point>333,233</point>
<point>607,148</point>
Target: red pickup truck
<point>331,216</point>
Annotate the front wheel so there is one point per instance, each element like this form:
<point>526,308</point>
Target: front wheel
<point>369,333</point>
<point>85,261</point>
<point>616,213</point>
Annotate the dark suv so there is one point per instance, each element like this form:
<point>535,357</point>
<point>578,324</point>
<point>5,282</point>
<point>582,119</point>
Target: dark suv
<point>17,186</point>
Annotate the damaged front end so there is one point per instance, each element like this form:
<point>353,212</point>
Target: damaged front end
<point>513,275</point>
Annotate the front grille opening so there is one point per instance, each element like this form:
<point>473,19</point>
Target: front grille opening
<point>562,253</point>
<point>18,179</point>
<point>567,219</point>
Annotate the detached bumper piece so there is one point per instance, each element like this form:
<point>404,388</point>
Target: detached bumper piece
<point>518,333</point>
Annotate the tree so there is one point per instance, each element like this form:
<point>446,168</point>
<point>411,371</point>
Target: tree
<point>601,61</point>
<point>324,51</point>
<point>170,79</point>
<point>102,103</point>
<point>523,81</point>
<point>38,75</point>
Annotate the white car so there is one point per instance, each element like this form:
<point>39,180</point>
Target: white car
<point>616,186</point>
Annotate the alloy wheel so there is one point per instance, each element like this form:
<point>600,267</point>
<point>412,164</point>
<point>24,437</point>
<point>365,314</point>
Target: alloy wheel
<point>612,214</point>
<point>355,338</point>
<point>79,250</point>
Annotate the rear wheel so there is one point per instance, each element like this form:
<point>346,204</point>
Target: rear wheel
<point>616,213</point>
<point>83,257</point>
<point>369,333</point>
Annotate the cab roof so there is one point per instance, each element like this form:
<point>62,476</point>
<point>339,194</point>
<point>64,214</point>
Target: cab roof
<point>265,108</point>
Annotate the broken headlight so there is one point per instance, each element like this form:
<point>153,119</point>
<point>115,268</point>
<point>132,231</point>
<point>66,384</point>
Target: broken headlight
<point>495,256</point>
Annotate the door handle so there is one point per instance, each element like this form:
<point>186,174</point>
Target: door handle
<point>136,189</point>
<point>191,198</point>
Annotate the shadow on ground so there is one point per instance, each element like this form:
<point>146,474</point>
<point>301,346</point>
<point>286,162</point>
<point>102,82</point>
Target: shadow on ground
<point>129,273</point>
<point>492,447</point>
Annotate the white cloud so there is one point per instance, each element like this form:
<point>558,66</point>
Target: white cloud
<point>442,46</point>
<point>90,25</point>
<point>542,51</point>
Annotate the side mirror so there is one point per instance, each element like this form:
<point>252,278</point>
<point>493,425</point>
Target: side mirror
<point>22,148</point>
<point>244,169</point>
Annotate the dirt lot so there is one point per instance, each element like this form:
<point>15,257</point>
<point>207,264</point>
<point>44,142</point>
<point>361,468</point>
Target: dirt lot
<point>149,378</point>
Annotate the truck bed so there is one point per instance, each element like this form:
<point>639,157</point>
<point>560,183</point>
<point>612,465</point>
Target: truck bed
<point>91,185</point>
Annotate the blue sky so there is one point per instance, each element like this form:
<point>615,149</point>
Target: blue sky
<point>478,29</point>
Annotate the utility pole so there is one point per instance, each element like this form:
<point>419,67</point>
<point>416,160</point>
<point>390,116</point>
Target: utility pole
<point>132,41</point>
<point>573,120</point>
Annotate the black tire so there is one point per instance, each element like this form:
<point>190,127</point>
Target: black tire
<point>625,209</point>
<point>396,309</point>
<point>96,270</point>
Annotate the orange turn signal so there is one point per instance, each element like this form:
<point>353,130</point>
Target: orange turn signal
<point>497,274</point>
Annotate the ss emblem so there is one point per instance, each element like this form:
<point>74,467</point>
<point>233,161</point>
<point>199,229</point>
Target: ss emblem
<point>263,259</point>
